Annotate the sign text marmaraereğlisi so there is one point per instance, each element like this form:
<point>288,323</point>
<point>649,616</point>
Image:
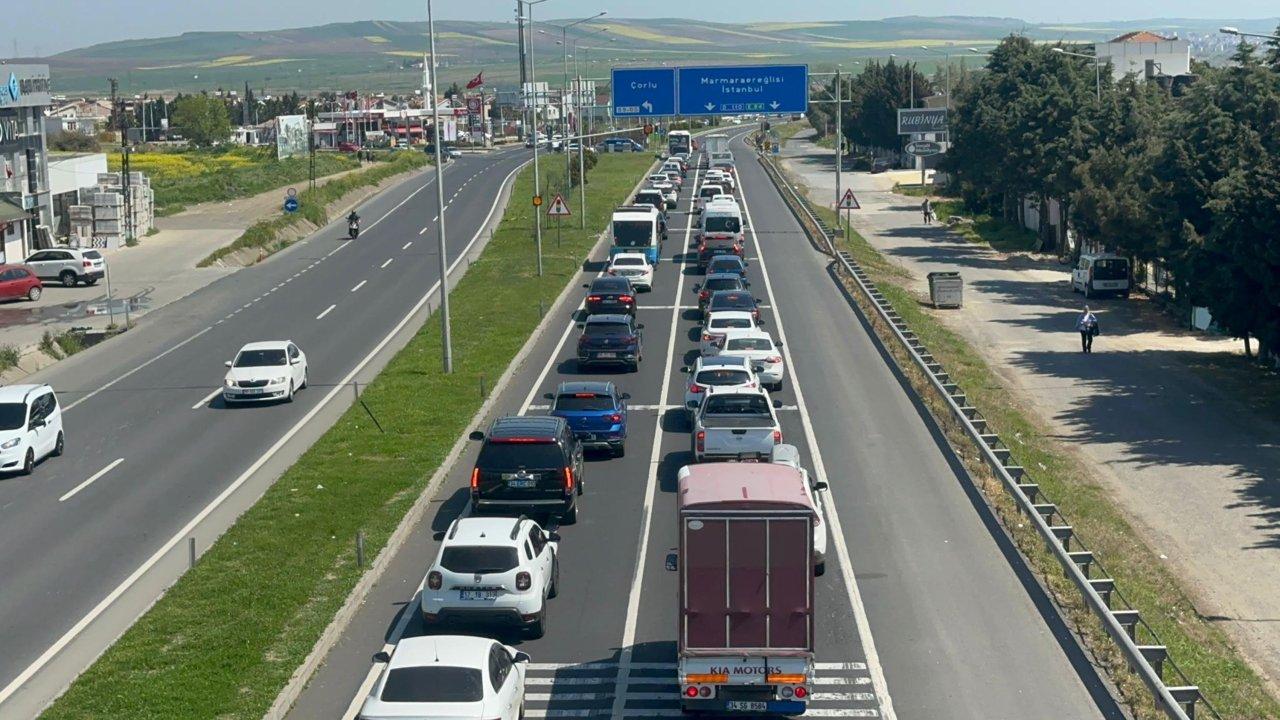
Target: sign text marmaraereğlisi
<point>733,85</point>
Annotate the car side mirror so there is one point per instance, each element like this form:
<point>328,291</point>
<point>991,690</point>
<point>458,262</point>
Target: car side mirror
<point>476,435</point>
<point>640,326</point>
<point>553,536</point>
<point>586,285</point>
<point>37,424</point>
<point>382,656</point>
<point>582,326</point>
<point>760,322</point>
<point>549,396</point>
<point>295,361</point>
<point>777,404</point>
<point>521,657</point>
<point>672,562</point>
<point>227,363</point>
<point>820,486</point>
<point>626,396</point>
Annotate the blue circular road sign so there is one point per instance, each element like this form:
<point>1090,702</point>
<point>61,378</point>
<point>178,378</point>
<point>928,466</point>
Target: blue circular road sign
<point>291,204</point>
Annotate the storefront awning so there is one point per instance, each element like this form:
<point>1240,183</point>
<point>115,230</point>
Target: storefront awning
<point>11,212</point>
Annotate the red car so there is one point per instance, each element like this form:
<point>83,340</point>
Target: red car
<point>348,147</point>
<point>17,282</point>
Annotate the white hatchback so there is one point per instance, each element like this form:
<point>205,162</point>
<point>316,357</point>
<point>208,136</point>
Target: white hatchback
<point>633,266</point>
<point>271,370</point>
<point>30,426</point>
<point>758,348</point>
<point>448,676</point>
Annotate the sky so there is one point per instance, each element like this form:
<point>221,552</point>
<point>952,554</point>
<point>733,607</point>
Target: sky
<point>44,27</point>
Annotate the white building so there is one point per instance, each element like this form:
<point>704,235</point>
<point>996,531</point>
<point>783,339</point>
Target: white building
<point>1134,51</point>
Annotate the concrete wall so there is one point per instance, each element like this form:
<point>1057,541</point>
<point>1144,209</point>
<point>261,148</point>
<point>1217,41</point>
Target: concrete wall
<point>1173,57</point>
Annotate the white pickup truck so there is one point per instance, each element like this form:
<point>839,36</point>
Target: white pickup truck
<point>735,424</point>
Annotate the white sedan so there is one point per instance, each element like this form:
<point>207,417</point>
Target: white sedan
<point>448,676</point>
<point>271,370</point>
<point>759,349</point>
<point>668,189</point>
<point>633,266</point>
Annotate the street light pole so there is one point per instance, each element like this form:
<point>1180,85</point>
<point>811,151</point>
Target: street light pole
<point>947,56</point>
<point>1097,69</point>
<point>537,179</point>
<point>447,345</point>
<point>1238,32</point>
<point>839,139</point>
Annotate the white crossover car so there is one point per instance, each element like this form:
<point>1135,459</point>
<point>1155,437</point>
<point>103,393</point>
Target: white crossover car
<point>448,677</point>
<point>633,266</point>
<point>758,348</point>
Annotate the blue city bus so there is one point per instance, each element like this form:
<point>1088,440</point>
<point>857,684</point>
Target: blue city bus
<point>679,141</point>
<point>636,228</point>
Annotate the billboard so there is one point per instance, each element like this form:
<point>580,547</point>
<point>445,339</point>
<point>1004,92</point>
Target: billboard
<point>921,120</point>
<point>291,136</point>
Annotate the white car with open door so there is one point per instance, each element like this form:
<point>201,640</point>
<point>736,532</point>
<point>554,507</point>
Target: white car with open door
<point>271,370</point>
<point>634,267</point>
<point>448,677</point>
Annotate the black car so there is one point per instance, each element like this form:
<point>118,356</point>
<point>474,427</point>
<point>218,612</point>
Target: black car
<point>726,264</point>
<point>611,294</point>
<point>710,248</point>
<point>611,340</point>
<point>716,282</point>
<point>528,463</point>
<point>733,300</point>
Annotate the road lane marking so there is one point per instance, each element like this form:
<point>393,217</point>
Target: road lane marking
<point>326,312</point>
<point>69,406</point>
<point>89,482</point>
<point>388,262</point>
<point>359,285</point>
<point>833,517</point>
<point>406,245</point>
<point>422,231</point>
<point>206,399</point>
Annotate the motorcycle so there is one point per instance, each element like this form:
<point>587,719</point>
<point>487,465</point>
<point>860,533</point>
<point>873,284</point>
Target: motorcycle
<point>353,229</point>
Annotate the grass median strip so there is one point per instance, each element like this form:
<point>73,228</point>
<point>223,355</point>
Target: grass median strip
<point>1203,651</point>
<point>225,638</point>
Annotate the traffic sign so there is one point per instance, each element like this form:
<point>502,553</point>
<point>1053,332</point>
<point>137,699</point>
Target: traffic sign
<point>923,148</point>
<point>558,208</point>
<point>537,200</point>
<point>734,89</point>
<point>643,92</point>
<point>291,204</point>
<point>291,192</point>
<point>849,202</point>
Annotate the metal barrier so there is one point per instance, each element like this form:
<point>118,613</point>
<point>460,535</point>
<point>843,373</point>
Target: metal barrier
<point>1137,641</point>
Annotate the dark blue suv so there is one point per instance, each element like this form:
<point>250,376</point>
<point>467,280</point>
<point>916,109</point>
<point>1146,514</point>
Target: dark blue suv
<point>595,411</point>
<point>610,340</point>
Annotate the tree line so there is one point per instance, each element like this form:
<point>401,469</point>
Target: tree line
<point>871,100</point>
<point>1184,174</point>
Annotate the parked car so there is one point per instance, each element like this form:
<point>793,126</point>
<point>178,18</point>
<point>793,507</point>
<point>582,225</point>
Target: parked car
<point>271,370</point>
<point>634,266</point>
<point>719,372</point>
<point>492,570</point>
<point>611,340</point>
<point>759,348</point>
<point>880,165</point>
<point>30,427</point>
<point>595,411</point>
<point>448,676</point>
<point>67,265</point>
<point>610,294</point>
<point>18,282</point>
<point>348,147</point>
<point>528,463</point>
<point>1101,273</point>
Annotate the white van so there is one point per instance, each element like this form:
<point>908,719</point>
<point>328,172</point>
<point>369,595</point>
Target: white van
<point>705,193</point>
<point>1101,273</point>
<point>30,427</point>
<point>721,220</point>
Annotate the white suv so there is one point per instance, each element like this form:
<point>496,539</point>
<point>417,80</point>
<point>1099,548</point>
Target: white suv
<point>718,372</point>
<point>448,676</point>
<point>493,569</point>
<point>68,265</point>
<point>30,426</point>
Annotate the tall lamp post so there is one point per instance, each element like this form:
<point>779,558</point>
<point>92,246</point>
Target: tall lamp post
<point>1097,69</point>
<point>1239,33</point>
<point>447,345</point>
<point>947,55</point>
<point>537,135</point>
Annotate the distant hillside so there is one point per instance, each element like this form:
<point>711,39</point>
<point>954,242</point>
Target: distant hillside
<point>379,54</point>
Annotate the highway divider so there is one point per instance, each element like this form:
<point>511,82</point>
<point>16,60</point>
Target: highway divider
<point>1136,641</point>
<point>233,632</point>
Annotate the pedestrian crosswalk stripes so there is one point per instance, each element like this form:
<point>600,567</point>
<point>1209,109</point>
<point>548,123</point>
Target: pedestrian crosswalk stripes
<point>586,690</point>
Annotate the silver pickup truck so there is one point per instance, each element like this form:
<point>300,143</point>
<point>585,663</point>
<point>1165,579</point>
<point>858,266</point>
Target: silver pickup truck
<point>735,424</point>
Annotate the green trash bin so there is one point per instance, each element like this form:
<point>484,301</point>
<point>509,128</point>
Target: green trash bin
<point>946,289</point>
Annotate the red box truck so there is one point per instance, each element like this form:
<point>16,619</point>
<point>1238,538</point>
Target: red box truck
<point>745,558</point>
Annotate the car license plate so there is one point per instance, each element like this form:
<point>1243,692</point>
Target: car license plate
<point>479,594</point>
<point>522,483</point>
<point>749,705</point>
<point>251,391</point>
<point>606,355</point>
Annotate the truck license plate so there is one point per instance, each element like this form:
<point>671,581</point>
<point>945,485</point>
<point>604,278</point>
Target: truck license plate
<point>749,705</point>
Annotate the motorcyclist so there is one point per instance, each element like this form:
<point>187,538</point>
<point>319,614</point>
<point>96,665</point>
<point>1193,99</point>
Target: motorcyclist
<point>353,218</point>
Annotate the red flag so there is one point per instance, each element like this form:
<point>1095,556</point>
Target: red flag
<point>476,81</point>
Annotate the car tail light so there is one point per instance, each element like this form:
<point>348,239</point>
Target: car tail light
<point>625,298</point>
<point>434,580</point>
<point>707,337</point>
<point>702,440</point>
<point>615,418</point>
<point>737,250</point>
<point>695,388</point>
<point>523,581</point>
<point>773,360</point>
<point>568,480</point>
<point>777,437</point>
<point>475,479</point>
<point>593,298</point>
<point>88,264</point>
<point>704,294</point>
<point>612,271</point>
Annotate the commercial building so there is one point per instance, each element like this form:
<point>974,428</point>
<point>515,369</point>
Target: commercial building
<point>1146,54</point>
<point>26,209</point>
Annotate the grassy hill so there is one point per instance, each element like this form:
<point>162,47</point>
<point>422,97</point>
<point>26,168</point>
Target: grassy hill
<point>379,54</point>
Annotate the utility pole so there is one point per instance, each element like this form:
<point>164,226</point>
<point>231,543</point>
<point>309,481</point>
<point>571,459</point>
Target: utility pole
<point>537,133</point>
<point>447,345</point>
<point>582,151</point>
<point>524,76</point>
<point>839,139</point>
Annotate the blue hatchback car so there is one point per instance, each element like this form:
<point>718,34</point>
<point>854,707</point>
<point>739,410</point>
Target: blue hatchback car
<point>595,411</point>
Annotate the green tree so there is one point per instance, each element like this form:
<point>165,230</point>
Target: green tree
<point>202,120</point>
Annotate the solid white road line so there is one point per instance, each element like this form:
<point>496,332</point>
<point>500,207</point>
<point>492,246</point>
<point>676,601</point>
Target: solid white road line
<point>326,312</point>
<point>388,262</point>
<point>204,401</point>
<point>89,482</point>
<point>651,484</point>
<point>186,530</point>
<point>833,516</point>
<point>359,285</point>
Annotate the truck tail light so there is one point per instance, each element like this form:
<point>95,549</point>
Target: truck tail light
<point>777,437</point>
<point>475,479</point>
<point>434,580</point>
<point>691,691</point>
<point>801,693</point>
<point>702,445</point>
<point>568,480</point>
<point>523,581</point>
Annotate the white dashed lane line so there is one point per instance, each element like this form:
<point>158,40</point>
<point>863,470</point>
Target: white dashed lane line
<point>204,401</point>
<point>423,230</point>
<point>92,478</point>
<point>406,245</point>
<point>326,312</point>
<point>359,285</point>
<point>388,262</point>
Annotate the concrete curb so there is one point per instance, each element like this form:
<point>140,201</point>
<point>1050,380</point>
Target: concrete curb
<point>298,681</point>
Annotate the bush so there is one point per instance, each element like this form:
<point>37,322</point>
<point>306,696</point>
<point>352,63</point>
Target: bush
<point>9,357</point>
<point>74,142</point>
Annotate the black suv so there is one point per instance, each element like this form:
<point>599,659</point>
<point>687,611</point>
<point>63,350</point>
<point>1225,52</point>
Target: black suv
<point>610,294</point>
<point>528,463</point>
<point>610,340</point>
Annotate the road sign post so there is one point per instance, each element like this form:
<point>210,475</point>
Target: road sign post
<point>558,209</point>
<point>848,203</point>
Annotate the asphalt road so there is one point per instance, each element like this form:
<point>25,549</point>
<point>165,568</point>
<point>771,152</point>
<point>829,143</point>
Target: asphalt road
<point>143,406</point>
<point>925,610</point>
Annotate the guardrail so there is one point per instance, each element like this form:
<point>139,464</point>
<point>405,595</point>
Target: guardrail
<point>1137,641</point>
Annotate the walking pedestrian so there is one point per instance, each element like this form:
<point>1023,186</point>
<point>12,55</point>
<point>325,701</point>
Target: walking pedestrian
<point>927,208</point>
<point>1087,324</point>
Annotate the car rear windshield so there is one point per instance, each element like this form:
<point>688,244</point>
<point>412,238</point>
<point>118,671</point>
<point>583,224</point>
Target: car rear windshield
<point>722,223</point>
<point>1111,269</point>
<point>479,559</point>
<point>749,344</point>
<point>260,358</point>
<point>715,284</point>
<point>731,264</point>
<point>629,262</point>
<point>584,401</point>
<point>12,415</point>
<point>611,285</point>
<point>725,323</point>
<point>601,329</point>
<point>433,684</point>
<point>736,405</point>
<point>731,300</point>
<point>722,376</point>
<point>93,254</point>
<point>513,455</point>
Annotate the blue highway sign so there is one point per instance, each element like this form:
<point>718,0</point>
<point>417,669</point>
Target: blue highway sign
<point>291,204</point>
<point>644,92</point>
<point>734,89</point>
